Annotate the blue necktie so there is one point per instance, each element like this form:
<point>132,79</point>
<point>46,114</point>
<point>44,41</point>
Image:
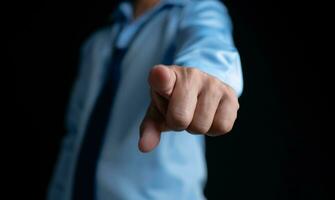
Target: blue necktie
<point>84,177</point>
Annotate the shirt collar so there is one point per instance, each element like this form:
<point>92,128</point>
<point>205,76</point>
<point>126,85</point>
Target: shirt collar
<point>124,10</point>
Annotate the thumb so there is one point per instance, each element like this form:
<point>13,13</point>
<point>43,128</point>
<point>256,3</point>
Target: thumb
<point>162,80</point>
<point>150,130</point>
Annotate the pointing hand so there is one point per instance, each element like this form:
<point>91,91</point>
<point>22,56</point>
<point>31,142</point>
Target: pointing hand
<point>186,99</point>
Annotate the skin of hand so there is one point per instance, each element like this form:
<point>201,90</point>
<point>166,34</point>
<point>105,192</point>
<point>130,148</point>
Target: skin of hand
<point>185,98</point>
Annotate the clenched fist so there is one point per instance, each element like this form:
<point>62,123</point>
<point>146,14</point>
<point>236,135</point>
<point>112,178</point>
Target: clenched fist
<point>186,99</point>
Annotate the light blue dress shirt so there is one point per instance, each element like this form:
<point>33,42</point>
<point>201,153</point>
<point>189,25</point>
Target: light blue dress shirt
<point>190,33</point>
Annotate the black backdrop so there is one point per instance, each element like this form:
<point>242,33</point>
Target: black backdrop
<point>274,151</point>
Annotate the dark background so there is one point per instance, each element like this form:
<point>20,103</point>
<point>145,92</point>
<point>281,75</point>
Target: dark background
<point>275,150</point>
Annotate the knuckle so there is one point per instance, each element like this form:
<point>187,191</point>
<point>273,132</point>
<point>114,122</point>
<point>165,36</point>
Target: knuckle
<point>232,100</point>
<point>193,73</point>
<point>215,81</point>
<point>225,90</point>
<point>223,127</point>
<point>214,87</point>
<point>219,87</point>
<point>226,126</point>
<point>198,127</point>
<point>179,120</point>
<point>237,105</point>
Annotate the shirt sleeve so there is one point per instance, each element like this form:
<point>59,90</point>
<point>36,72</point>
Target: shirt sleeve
<point>204,41</point>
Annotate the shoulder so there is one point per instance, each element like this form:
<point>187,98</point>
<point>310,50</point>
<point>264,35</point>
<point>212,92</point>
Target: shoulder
<point>204,12</point>
<point>192,6</point>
